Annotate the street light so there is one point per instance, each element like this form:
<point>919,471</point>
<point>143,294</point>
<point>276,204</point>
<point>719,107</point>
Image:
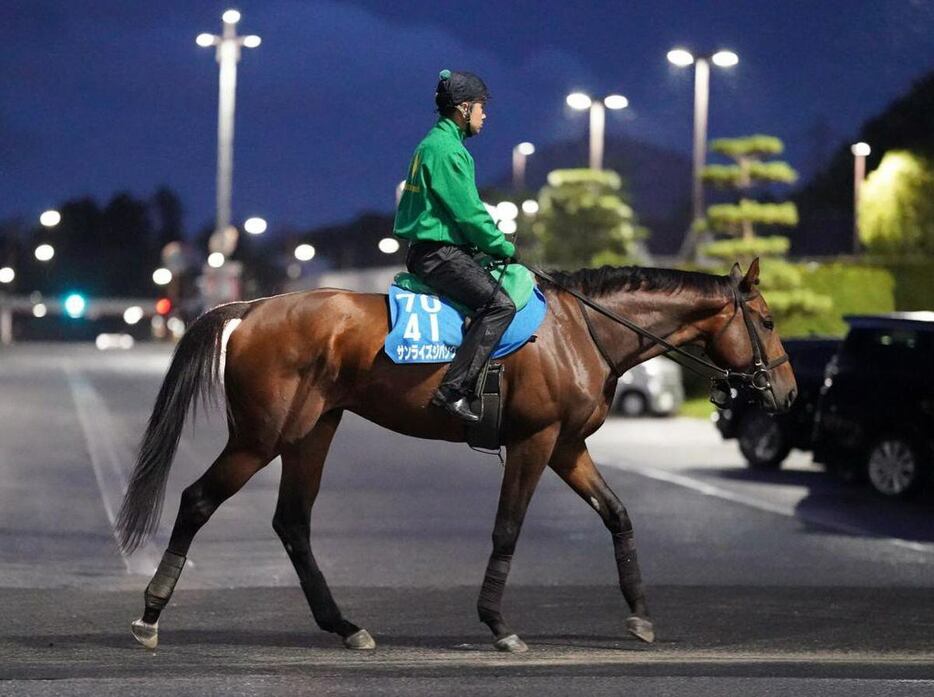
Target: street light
<point>228,55</point>
<point>304,252</point>
<point>597,107</point>
<point>860,152</point>
<point>506,210</point>
<point>507,227</point>
<point>388,245</point>
<point>50,218</point>
<point>519,155</point>
<point>683,58</point>
<point>216,260</point>
<point>724,59</point>
<point>255,226</point>
<point>162,276</point>
<point>7,275</point>
<point>44,252</point>
<point>133,314</point>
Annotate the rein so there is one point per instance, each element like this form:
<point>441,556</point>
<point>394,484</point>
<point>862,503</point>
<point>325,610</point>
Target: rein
<point>757,377</point>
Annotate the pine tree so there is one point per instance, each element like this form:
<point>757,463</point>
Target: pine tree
<point>748,171</point>
<point>583,220</point>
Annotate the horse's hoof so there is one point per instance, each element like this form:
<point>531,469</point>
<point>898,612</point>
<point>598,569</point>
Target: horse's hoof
<point>145,633</point>
<point>511,644</point>
<point>360,641</point>
<point>640,628</point>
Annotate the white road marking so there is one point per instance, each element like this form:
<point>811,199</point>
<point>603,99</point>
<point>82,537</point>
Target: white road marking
<point>108,458</point>
<point>780,509</point>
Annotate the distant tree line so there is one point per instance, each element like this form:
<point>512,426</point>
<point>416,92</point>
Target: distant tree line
<point>825,204</point>
<point>109,249</point>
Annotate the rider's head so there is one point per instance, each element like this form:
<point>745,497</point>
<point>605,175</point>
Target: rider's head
<point>462,96</point>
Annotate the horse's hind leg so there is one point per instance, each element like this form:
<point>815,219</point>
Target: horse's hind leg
<point>302,464</point>
<point>224,478</point>
<point>525,462</point>
<point>575,466</point>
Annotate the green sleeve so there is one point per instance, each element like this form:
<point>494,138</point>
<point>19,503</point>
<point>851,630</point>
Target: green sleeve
<point>452,181</point>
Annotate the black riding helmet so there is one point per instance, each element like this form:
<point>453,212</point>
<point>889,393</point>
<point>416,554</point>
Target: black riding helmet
<point>456,87</point>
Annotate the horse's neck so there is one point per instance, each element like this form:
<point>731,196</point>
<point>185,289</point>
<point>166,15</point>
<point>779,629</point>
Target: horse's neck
<point>678,318</point>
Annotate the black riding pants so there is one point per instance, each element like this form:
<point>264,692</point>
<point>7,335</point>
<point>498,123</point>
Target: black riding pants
<point>454,273</point>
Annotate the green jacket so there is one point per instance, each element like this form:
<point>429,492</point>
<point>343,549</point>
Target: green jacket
<point>440,200</point>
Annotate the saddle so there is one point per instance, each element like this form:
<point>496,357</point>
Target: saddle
<point>427,328</point>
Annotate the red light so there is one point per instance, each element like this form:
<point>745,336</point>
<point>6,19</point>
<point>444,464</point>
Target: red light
<point>163,306</point>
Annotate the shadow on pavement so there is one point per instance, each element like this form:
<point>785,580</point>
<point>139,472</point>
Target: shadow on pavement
<point>845,507</point>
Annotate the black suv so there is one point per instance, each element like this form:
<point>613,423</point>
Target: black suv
<point>765,440</point>
<point>875,415</point>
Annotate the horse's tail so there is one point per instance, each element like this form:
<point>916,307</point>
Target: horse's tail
<point>195,370</point>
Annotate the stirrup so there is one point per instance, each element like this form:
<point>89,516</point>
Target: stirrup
<point>459,406</point>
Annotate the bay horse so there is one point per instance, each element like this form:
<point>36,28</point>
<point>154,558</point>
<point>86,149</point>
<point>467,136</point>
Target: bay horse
<point>290,365</point>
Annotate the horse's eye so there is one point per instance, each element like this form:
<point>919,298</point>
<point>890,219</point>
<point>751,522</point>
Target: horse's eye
<point>768,323</point>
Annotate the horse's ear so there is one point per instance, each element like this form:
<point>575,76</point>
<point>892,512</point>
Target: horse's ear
<point>736,273</point>
<point>751,279</point>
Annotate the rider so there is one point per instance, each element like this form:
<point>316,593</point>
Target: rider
<point>446,223</point>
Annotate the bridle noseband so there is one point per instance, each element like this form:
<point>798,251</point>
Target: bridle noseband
<point>758,376</point>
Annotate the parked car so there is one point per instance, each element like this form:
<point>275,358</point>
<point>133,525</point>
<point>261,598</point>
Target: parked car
<point>875,416</point>
<point>765,439</point>
<point>653,387</point>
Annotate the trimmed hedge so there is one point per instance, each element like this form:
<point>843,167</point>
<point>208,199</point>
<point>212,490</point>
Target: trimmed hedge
<point>914,283</point>
<point>854,289</point>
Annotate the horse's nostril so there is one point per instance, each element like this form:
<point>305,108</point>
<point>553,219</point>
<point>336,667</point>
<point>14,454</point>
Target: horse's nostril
<point>791,397</point>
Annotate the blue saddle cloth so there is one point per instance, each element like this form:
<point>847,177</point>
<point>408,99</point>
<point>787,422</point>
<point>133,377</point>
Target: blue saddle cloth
<point>426,329</point>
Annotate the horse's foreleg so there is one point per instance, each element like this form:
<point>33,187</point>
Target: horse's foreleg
<point>525,462</point>
<point>302,465</point>
<point>224,478</point>
<point>575,466</point>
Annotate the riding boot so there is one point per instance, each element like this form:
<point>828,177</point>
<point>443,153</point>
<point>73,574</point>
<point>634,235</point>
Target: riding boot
<point>453,273</point>
<point>454,404</point>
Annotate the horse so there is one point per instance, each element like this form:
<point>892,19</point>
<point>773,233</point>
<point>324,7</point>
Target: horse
<point>290,365</point>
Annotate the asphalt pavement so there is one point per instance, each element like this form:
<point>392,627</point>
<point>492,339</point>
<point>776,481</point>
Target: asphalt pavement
<point>767,583</point>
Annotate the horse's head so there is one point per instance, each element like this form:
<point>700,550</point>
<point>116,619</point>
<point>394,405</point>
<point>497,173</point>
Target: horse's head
<point>744,340</point>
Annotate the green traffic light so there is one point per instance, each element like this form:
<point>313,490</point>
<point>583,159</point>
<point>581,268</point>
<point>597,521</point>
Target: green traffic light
<point>75,305</point>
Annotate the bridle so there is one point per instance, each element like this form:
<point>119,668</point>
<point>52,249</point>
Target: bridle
<point>757,376</point>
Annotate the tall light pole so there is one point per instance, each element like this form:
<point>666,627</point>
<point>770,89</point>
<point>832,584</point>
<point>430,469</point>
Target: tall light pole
<point>228,55</point>
<point>581,101</point>
<point>519,155</point>
<point>683,58</point>
<point>860,151</point>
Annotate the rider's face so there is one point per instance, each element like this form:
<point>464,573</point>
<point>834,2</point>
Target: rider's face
<point>475,116</point>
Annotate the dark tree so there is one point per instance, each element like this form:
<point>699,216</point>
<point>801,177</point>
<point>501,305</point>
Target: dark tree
<point>167,214</point>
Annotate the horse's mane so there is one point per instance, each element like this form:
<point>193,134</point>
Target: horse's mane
<point>607,279</point>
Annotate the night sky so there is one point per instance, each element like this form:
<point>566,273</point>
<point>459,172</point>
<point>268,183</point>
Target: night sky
<point>102,96</point>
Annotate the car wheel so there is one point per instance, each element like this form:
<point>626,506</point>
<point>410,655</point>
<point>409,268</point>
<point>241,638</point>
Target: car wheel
<point>893,467</point>
<point>632,404</point>
<point>762,441</point>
